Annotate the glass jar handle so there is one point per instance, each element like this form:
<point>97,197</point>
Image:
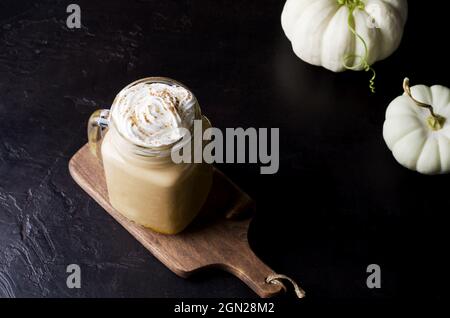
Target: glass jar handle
<point>97,124</point>
<point>206,123</point>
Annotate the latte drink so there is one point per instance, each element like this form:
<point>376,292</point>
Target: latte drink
<point>146,120</point>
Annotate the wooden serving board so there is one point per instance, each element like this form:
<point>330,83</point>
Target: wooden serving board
<point>216,239</point>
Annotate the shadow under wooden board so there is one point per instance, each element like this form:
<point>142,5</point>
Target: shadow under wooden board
<point>216,239</point>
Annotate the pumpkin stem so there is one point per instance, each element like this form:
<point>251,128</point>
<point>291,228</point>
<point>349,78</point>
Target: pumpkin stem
<point>435,121</point>
<point>352,4</point>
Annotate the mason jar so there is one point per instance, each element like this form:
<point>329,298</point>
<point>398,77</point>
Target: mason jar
<point>143,183</point>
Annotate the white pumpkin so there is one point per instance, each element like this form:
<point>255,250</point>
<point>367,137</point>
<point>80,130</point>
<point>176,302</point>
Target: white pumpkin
<point>320,34</point>
<point>418,140</point>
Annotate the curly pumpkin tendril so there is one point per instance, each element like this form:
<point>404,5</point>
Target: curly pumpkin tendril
<point>352,5</point>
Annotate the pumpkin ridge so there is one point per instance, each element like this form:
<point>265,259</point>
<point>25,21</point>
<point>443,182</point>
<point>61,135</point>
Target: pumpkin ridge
<point>421,153</point>
<point>439,154</point>
<point>441,106</point>
<point>405,115</point>
<point>325,32</point>
<point>438,159</point>
<point>422,93</point>
<point>324,26</point>
<point>410,104</point>
<point>306,8</point>
<point>302,13</point>
<point>397,16</point>
<point>398,12</point>
<point>401,102</point>
<point>445,137</point>
<point>442,139</point>
<point>405,135</point>
<point>374,50</point>
<point>314,58</point>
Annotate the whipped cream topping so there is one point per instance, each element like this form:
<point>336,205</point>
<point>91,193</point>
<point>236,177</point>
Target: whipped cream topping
<point>151,114</point>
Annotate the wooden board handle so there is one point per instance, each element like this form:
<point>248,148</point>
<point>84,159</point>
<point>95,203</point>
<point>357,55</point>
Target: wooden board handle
<point>253,272</point>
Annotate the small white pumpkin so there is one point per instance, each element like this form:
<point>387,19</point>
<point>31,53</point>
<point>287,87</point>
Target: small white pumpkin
<point>320,33</point>
<point>417,128</point>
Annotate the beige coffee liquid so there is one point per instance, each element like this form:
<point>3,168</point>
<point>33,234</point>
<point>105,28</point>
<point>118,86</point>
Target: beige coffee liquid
<point>150,189</point>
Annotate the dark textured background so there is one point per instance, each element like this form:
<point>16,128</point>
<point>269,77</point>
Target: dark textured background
<point>338,203</point>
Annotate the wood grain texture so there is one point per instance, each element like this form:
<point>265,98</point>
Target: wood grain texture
<point>217,238</point>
